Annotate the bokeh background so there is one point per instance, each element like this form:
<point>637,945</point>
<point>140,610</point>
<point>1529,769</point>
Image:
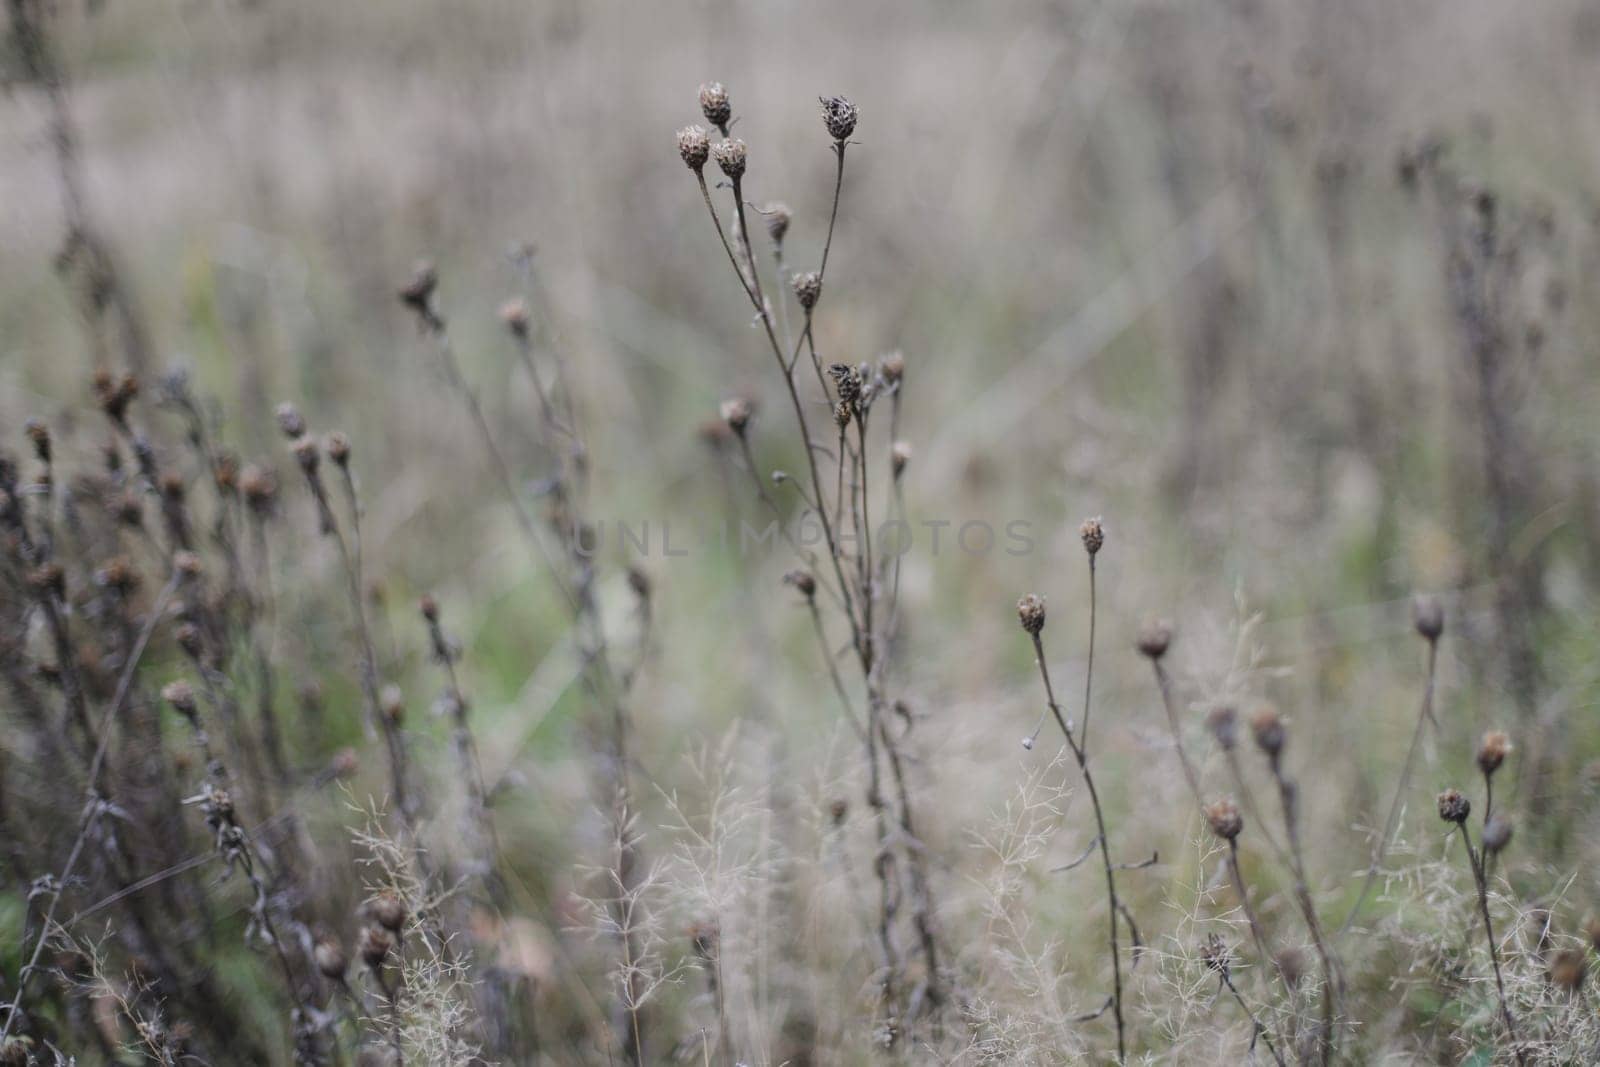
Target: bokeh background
<point>1218,272</point>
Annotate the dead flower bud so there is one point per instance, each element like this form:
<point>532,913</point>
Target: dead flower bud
<point>1223,722</point>
<point>1155,637</point>
<point>330,958</point>
<point>1493,750</point>
<point>48,578</point>
<point>260,488</point>
<point>1093,534</point>
<point>388,910</point>
<point>892,367</point>
<point>1224,818</point>
<point>416,293</point>
<point>290,421</point>
<point>1428,617</point>
<point>839,116</point>
<point>306,454</point>
<point>694,147</point>
<point>392,704</point>
<point>714,105</point>
<point>807,286</point>
<point>337,446</point>
<point>1216,956</point>
<point>735,412</point>
<point>118,575</point>
<point>186,564</point>
<point>429,607</point>
<point>838,810</point>
<point>1497,833</point>
<point>188,636</point>
<point>803,581</point>
<point>39,434</point>
<point>375,946</point>
<point>777,216</point>
<point>1267,726</point>
<point>731,156</point>
<point>514,313</point>
<point>841,414</point>
<point>1453,807</point>
<point>899,456</point>
<point>1030,612</point>
<point>180,695</point>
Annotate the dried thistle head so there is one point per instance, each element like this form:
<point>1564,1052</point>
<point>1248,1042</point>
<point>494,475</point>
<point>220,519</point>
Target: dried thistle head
<point>290,421</point>
<point>899,455</point>
<point>847,383</point>
<point>694,147</point>
<point>118,575</point>
<point>429,607</point>
<point>803,581</point>
<point>1224,818</point>
<point>114,395</point>
<point>839,116</point>
<point>1155,637</point>
<point>225,473</point>
<point>1216,955</point>
<point>1223,722</point>
<point>1497,833</point>
<point>807,286</point>
<point>186,565</point>
<point>48,577</point>
<point>388,910</point>
<point>1493,750</point>
<point>180,694</point>
<point>375,945</point>
<point>731,156</point>
<point>307,454</point>
<point>329,957</point>
<point>1454,807</point>
<point>736,413</point>
<point>777,216</point>
<point>842,414</point>
<point>715,106</point>
<point>1267,727</point>
<point>1030,613</point>
<point>892,367</point>
<point>337,446</point>
<point>514,312</point>
<point>392,704</point>
<point>1427,615</point>
<point>1093,534</point>
<point>260,488</point>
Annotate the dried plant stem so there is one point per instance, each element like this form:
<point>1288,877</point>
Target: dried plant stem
<point>1168,702</point>
<point>1288,796</point>
<point>1259,1030</point>
<point>1480,877</point>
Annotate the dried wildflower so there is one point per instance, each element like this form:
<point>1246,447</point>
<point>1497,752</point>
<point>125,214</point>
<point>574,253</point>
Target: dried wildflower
<point>260,488</point>
<point>39,434</point>
<point>847,383</point>
<point>290,421</point>
<point>807,287</point>
<point>892,367</point>
<point>899,456</point>
<point>1454,807</point>
<point>839,116</point>
<point>330,958</point>
<point>388,910</point>
<point>186,564</point>
<point>1030,612</point>
<point>731,157</point>
<point>735,412</point>
<point>1155,637</point>
<point>338,448</point>
<point>115,394</point>
<point>418,291</point>
<point>118,575</point>
<point>375,946</point>
<point>777,216</point>
<point>429,607</point>
<point>1568,969</point>
<point>714,105</point>
<point>514,313</point>
<point>1493,750</point>
<point>803,581</point>
<point>1223,722</point>
<point>841,414</point>
<point>392,704</point>
<point>306,454</point>
<point>1267,726</point>
<point>128,508</point>
<point>172,487</point>
<point>180,695</point>
<point>225,473</point>
<point>345,763</point>
<point>838,810</point>
<point>1224,818</point>
<point>694,146</point>
<point>1093,535</point>
<point>188,637</point>
<point>1497,833</point>
<point>1427,615</point>
<point>1216,955</point>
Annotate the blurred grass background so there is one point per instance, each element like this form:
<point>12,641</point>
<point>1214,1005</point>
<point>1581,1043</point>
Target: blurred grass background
<point>1145,259</point>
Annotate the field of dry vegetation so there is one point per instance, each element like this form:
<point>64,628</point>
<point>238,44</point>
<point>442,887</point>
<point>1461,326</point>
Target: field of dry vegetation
<point>799,533</point>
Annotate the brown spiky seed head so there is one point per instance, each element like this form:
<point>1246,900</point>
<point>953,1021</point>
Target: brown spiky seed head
<point>118,575</point>
<point>1030,612</point>
<point>694,146</point>
<point>1267,727</point>
<point>1155,637</point>
<point>777,217</point>
<point>375,945</point>
<point>1568,969</point>
<point>1454,807</point>
<point>514,313</point>
<point>714,105</point>
<point>847,383</point>
<point>839,115</point>
<point>803,581</point>
<point>807,286</point>
<point>290,421</point>
<point>1493,750</point>
<point>1093,534</point>
<point>892,367</point>
<point>841,414</point>
<point>417,291</point>
<point>1497,833</point>
<point>259,486</point>
<point>180,694</point>
<point>731,156</point>
<point>1223,722</point>
<point>338,448</point>
<point>735,412</point>
<point>189,640</point>
<point>306,453</point>
<point>330,958</point>
<point>899,455</point>
<point>388,910</point>
<point>1216,955</point>
<point>1224,818</point>
<point>39,434</point>
<point>1427,615</point>
<point>429,607</point>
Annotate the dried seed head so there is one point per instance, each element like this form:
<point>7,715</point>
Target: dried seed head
<point>899,455</point>
<point>416,293</point>
<point>429,607</point>
<point>1568,969</point>
<point>115,394</point>
<point>1454,807</point>
<point>841,414</point>
<point>225,472</point>
<point>807,287</point>
<point>118,575</point>
<point>839,115</point>
<point>1223,722</point>
<point>375,945</point>
<point>847,383</point>
<point>778,216</point>
<point>730,156</point>
<point>803,581</point>
<point>1591,930</point>
<point>306,454</point>
<point>1291,964</point>
<point>345,763</point>
<point>892,367</point>
<point>838,810</point>
<point>388,910</point>
<point>1216,955</point>
<point>260,488</point>
<point>514,313</point>
<point>172,486</point>
<point>1493,750</point>
<point>186,564</point>
<point>1267,726</point>
<point>715,107</point>
<point>639,582</point>
<point>703,937</point>
<point>180,695</point>
<point>1030,612</point>
<point>1224,818</point>
<point>1093,535</point>
<point>290,421</point>
<point>392,704</point>
<point>735,412</point>
<point>330,958</point>
<point>128,507</point>
<point>1428,617</point>
<point>189,640</point>
<point>48,578</point>
<point>39,434</point>
<point>694,146</point>
<point>338,448</point>
<point>1497,833</point>
<point>1155,637</point>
